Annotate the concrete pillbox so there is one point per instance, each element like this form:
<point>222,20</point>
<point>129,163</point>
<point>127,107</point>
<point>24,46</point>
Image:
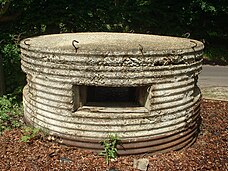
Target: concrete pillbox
<point>84,86</point>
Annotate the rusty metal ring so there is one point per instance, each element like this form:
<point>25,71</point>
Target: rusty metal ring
<point>141,49</point>
<point>193,47</point>
<point>195,44</point>
<point>26,40</point>
<point>75,41</point>
<point>186,35</point>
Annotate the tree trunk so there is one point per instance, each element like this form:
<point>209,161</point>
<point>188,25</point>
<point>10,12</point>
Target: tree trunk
<point>2,82</point>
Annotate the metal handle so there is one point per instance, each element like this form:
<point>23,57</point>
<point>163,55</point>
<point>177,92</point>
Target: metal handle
<point>26,40</point>
<point>193,47</point>
<point>141,49</point>
<point>73,44</point>
<point>195,44</point>
<point>186,35</point>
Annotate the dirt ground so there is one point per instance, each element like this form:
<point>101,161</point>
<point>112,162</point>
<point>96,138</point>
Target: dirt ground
<point>209,152</point>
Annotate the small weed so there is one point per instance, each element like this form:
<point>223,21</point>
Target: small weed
<point>110,147</point>
<point>10,113</point>
<point>30,133</point>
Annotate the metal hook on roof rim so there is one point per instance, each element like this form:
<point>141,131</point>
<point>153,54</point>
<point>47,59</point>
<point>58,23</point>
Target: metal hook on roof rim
<point>193,47</point>
<point>186,35</point>
<point>73,44</point>
<point>26,40</point>
<point>195,44</point>
<point>141,49</point>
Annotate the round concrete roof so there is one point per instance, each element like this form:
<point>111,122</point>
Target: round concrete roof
<point>103,42</point>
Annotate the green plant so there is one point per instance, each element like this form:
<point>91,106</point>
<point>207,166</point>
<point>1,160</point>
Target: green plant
<point>217,54</point>
<point>30,133</point>
<point>10,112</point>
<point>110,147</point>
<point>14,77</point>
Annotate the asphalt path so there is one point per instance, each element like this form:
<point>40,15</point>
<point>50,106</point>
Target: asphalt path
<point>213,76</point>
<point>213,82</point>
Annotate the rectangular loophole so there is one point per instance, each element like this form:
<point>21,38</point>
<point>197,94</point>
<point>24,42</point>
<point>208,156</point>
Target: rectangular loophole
<point>109,96</point>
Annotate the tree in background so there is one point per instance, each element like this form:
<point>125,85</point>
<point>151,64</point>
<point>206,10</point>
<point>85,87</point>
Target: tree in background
<point>2,80</point>
<point>203,19</point>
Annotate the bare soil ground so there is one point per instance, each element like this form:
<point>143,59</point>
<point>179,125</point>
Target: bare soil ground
<point>209,152</point>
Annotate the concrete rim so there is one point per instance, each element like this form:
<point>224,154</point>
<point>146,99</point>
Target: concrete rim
<point>103,42</point>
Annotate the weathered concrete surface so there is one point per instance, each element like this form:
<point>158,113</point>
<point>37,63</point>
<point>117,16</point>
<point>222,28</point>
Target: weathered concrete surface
<point>213,82</point>
<point>163,70</point>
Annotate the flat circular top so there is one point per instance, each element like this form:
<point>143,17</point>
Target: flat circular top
<point>109,42</point>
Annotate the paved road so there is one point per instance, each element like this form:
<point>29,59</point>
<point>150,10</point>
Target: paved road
<point>213,76</point>
<point>213,82</point>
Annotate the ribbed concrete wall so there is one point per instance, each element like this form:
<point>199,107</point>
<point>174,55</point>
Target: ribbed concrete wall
<point>164,69</point>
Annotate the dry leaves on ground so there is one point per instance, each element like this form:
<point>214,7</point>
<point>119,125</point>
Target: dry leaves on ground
<point>209,152</point>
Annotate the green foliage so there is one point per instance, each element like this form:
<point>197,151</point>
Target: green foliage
<point>11,51</point>
<point>110,147</point>
<point>201,18</point>
<point>14,77</point>
<point>218,54</point>
<point>10,113</point>
<point>4,5</point>
<point>2,2</point>
<point>153,16</point>
<point>30,133</point>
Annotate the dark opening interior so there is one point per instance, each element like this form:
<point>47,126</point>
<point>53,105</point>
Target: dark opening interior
<point>98,96</point>
<point>112,95</point>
